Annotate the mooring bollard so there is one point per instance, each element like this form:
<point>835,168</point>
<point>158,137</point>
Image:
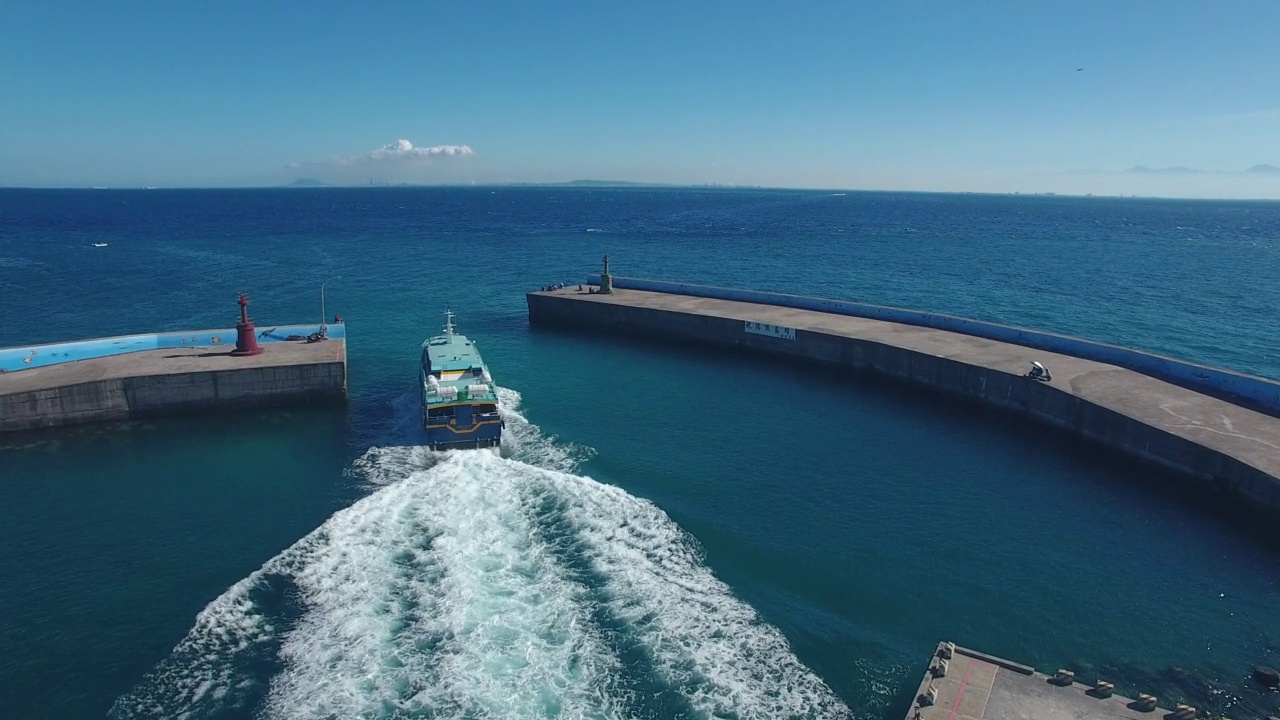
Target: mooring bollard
<point>1146,702</point>
<point>930,695</point>
<point>940,670</point>
<point>1104,689</point>
<point>948,649</point>
<point>1064,677</point>
<point>1184,712</point>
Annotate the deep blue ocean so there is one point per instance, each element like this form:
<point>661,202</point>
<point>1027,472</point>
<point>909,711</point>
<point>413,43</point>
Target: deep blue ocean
<point>670,532</point>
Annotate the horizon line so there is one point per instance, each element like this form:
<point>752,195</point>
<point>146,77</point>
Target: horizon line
<point>622,184</point>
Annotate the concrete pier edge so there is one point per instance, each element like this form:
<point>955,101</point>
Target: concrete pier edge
<point>963,683</point>
<point>1257,393</point>
<point>177,379</point>
<point>1222,446</point>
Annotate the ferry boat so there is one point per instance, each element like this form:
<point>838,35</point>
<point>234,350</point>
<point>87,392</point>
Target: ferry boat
<point>459,398</point>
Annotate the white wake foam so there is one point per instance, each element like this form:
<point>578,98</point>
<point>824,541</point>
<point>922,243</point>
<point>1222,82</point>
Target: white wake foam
<point>704,642</point>
<point>469,584</point>
<point>432,596</point>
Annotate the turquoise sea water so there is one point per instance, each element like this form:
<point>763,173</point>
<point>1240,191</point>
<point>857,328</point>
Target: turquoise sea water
<point>670,532</point>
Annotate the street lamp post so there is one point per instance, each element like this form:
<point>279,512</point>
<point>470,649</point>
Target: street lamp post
<point>323,315</point>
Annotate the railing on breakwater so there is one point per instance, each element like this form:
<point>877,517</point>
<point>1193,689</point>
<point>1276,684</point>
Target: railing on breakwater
<point>1257,393</point>
<point>22,358</point>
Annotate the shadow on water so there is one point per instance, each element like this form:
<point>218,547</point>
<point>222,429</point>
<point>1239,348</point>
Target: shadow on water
<point>327,418</point>
<point>1192,495</point>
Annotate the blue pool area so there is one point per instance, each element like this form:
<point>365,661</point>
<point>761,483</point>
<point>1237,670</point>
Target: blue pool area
<point>21,358</point>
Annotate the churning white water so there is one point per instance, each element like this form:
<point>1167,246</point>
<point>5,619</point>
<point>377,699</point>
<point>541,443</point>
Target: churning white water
<point>470,584</point>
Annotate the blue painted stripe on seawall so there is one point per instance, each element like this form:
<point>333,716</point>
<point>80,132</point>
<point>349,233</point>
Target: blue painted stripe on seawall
<point>1260,393</point>
<point>22,358</point>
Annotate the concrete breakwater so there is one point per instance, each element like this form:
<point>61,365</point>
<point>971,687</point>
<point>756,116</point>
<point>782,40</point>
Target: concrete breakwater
<point>1229,447</point>
<point>147,375</point>
<point>1255,392</point>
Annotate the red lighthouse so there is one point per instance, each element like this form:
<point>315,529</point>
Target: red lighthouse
<point>246,342</point>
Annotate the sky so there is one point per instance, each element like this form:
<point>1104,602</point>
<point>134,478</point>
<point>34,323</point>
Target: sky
<point>1021,96</point>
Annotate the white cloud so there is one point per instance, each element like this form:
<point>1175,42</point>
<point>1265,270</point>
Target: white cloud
<point>400,159</point>
<point>404,150</point>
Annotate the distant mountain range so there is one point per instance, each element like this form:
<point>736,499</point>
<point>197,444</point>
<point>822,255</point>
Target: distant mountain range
<point>593,183</point>
<point>606,183</point>
<point>1142,169</point>
<point>311,183</point>
<point>1163,171</point>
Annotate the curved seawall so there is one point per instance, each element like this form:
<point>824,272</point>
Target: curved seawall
<point>1255,392</point>
<point>1232,448</point>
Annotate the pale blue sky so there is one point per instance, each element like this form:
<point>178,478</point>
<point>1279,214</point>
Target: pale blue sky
<point>913,95</point>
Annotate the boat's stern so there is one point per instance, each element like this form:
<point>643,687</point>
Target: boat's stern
<point>463,426</point>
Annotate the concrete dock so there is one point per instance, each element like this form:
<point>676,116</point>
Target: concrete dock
<point>1233,449</point>
<point>962,684</point>
<point>172,380</point>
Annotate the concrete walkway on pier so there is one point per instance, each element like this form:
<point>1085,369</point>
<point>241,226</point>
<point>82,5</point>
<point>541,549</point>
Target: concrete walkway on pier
<point>975,686</point>
<point>1171,425</point>
<point>170,361</point>
<point>152,382</point>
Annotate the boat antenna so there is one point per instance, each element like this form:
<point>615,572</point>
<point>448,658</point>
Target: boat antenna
<point>448,323</point>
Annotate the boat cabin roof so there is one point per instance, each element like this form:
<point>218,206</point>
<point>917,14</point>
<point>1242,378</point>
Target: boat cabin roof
<point>452,354</point>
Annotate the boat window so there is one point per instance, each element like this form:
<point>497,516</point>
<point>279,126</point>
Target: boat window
<point>446,411</point>
<point>486,409</point>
